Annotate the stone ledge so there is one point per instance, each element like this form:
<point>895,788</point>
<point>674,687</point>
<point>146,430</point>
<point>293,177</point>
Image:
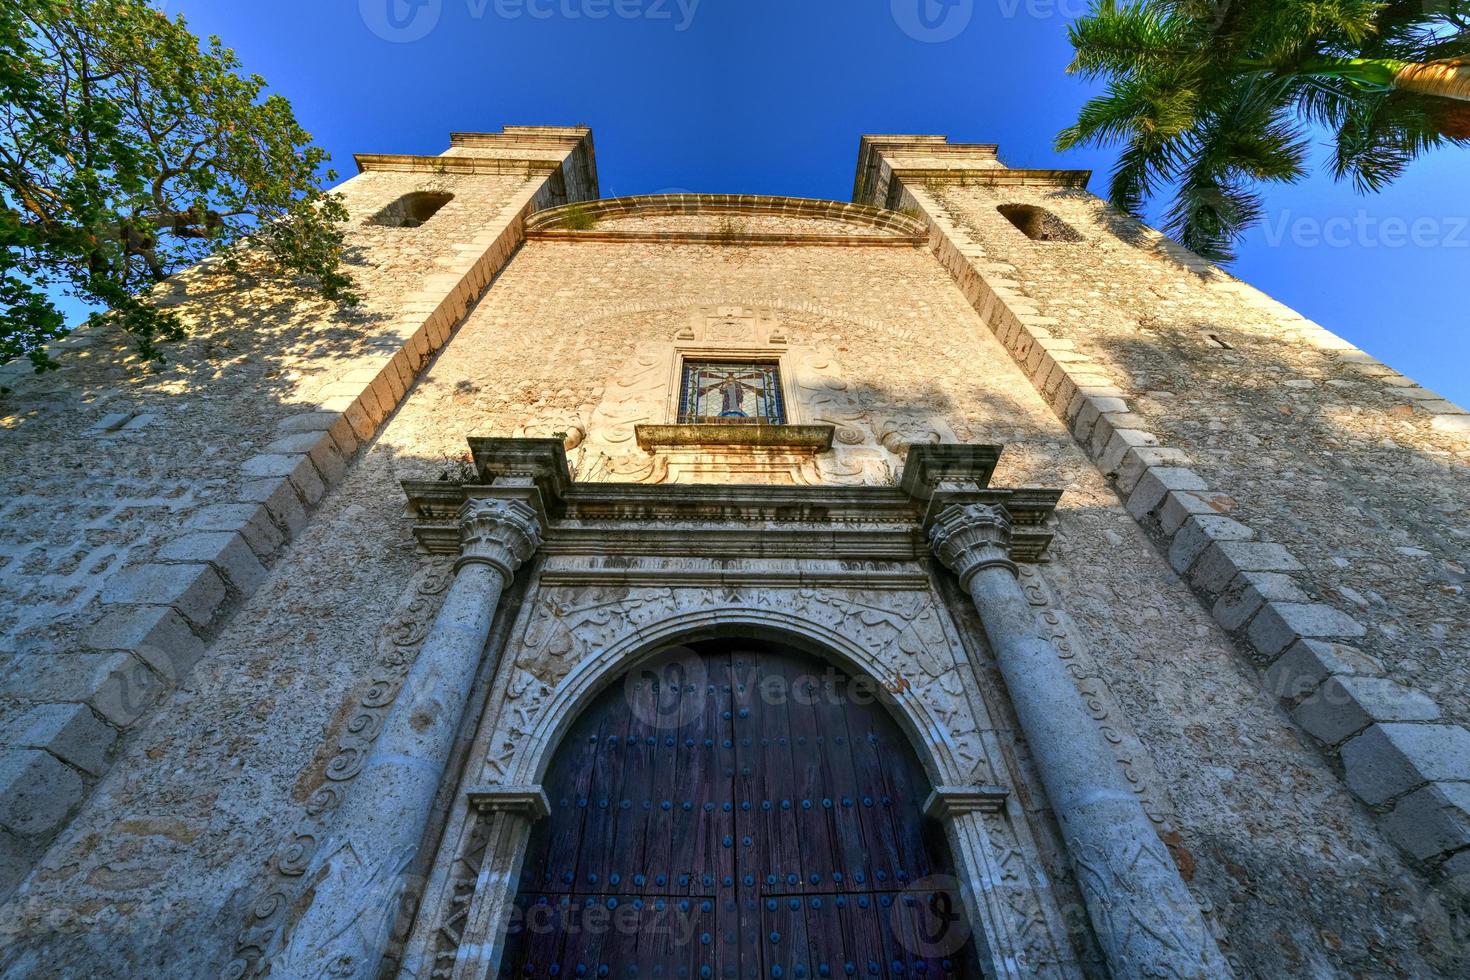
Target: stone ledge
<point>157,635</point>
<point>37,791</point>
<point>224,551</point>
<point>1389,760</point>
<point>1198,533</point>
<point>1222,561</point>
<point>196,591</point>
<point>1249,591</point>
<point>71,732</point>
<point>1280,624</point>
<point>1303,668</point>
<point>1344,706</point>
<point>1432,821</point>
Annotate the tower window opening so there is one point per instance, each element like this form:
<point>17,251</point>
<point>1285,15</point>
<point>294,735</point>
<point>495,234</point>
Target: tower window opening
<point>411,210</point>
<point>1038,224</point>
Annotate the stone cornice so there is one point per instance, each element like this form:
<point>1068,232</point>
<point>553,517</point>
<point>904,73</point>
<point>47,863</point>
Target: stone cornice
<point>730,522</point>
<point>998,177</point>
<point>948,802</point>
<point>815,438</point>
<point>888,226</point>
<point>526,801</point>
<point>409,163</point>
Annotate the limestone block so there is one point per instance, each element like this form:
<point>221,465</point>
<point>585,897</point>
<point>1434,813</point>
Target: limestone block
<point>1139,459</point>
<point>308,422</point>
<point>36,791</point>
<point>16,856</point>
<point>71,732</point>
<point>362,422</point>
<point>156,635</point>
<point>319,446</point>
<point>1108,425</point>
<point>225,551</point>
<point>1223,560</point>
<point>1280,624</point>
<point>1308,663</point>
<point>1179,505</point>
<point>1158,481</point>
<point>1245,595</point>
<point>281,501</point>
<point>1451,423</point>
<point>296,468</point>
<point>1120,444</point>
<point>1343,706</point>
<point>1390,759</point>
<point>196,591</point>
<point>1198,533</point>
<point>251,521</point>
<point>1455,873</point>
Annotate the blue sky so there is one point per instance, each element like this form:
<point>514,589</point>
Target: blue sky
<point>770,96</point>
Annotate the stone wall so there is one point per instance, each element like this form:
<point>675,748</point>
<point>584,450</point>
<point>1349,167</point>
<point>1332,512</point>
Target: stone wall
<point>1285,474</point>
<point>164,864</point>
<point>141,502</point>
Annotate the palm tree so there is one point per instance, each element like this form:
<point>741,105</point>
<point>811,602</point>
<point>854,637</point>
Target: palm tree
<point>1214,97</point>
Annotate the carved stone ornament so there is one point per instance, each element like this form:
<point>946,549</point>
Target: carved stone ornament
<point>971,537</point>
<point>499,533</point>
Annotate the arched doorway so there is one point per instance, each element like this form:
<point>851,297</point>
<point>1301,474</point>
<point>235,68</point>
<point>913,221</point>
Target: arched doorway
<point>734,810</point>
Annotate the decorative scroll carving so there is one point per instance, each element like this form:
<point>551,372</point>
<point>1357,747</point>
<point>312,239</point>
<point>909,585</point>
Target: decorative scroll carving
<point>499,533</point>
<point>397,646</point>
<point>972,537</point>
<point>1101,704</point>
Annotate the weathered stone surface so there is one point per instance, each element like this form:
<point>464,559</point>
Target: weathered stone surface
<point>194,590</point>
<point>1198,533</point>
<point>1391,759</point>
<point>1344,706</point>
<point>156,634</point>
<point>1245,595</point>
<point>1158,481</point>
<point>1222,561</point>
<point>1280,624</point>
<point>1432,821</point>
<point>1308,663</point>
<point>71,732</point>
<point>281,501</point>
<point>224,551</point>
<point>251,521</point>
<point>36,791</point>
<point>1139,459</point>
<point>577,335</point>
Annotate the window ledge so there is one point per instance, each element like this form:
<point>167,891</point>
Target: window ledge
<point>812,438</point>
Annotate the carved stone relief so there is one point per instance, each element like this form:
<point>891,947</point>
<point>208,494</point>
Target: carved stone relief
<point>865,451</point>
<point>397,644</point>
<point>572,640</point>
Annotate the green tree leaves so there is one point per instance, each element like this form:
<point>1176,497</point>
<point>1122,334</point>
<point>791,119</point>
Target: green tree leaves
<point>129,150</point>
<point>1210,98</point>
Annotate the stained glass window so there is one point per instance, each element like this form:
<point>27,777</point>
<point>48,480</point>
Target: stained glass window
<point>731,393</point>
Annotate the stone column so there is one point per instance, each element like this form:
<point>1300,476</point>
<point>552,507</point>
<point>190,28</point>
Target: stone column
<point>508,813</point>
<point>1145,919</point>
<point>358,880</point>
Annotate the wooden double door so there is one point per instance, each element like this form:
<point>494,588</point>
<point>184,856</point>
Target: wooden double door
<point>732,811</point>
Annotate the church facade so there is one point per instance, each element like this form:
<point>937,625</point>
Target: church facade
<point>961,581</point>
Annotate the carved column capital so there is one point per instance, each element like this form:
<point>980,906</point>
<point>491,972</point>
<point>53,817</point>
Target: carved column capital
<point>499,533</point>
<point>970,537</point>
